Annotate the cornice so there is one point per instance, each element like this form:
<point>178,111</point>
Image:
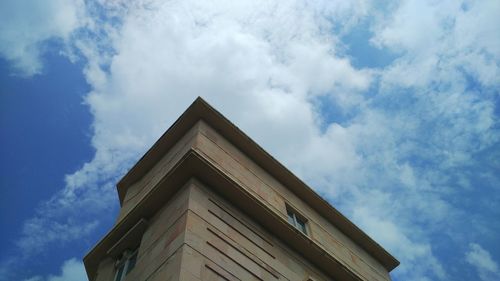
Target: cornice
<point>194,165</point>
<point>201,110</point>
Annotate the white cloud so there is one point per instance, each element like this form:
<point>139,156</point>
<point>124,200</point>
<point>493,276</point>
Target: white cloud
<point>270,60</point>
<point>71,270</point>
<point>25,25</point>
<point>416,254</point>
<point>441,40</point>
<point>40,231</point>
<point>482,261</point>
<point>252,54</point>
<point>34,278</point>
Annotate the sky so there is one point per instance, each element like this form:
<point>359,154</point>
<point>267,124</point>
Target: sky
<point>388,109</point>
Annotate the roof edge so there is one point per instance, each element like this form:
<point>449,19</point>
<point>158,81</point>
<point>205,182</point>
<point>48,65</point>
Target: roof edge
<point>168,139</point>
<point>201,110</point>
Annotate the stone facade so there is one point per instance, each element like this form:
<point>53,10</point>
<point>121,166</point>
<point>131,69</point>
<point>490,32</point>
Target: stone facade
<point>207,203</point>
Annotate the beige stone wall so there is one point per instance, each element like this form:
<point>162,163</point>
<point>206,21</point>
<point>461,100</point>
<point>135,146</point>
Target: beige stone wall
<point>160,251</point>
<point>139,189</point>
<point>225,243</point>
<point>216,224</point>
<point>200,236</point>
<point>258,182</point>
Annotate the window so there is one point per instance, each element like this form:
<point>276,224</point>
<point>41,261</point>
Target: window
<point>296,220</point>
<point>125,264</point>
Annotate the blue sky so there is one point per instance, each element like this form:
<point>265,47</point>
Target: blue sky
<point>389,110</point>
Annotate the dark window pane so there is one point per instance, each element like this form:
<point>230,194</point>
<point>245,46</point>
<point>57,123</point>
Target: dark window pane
<point>131,262</point>
<point>119,273</point>
<point>296,221</point>
<point>301,226</point>
<point>290,218</point>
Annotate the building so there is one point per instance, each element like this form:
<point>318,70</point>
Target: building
<point>207,203</point>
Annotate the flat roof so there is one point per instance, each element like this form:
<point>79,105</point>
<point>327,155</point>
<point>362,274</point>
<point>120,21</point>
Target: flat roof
<point>201,110</point>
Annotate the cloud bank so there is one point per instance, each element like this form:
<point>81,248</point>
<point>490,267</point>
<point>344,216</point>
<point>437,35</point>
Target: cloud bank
<point>26,25</point>
<point>482,261</point>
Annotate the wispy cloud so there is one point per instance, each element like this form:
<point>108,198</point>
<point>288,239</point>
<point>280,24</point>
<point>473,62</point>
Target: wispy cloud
<point>71,270</point>
<point>26,25</point>
<point>482,261</point>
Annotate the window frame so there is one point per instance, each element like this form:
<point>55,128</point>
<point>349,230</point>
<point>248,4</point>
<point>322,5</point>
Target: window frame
<point>297,220</point>
<point>122,266</point>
